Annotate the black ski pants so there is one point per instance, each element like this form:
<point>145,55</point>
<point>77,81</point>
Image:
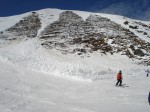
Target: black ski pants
<point>119,81</point>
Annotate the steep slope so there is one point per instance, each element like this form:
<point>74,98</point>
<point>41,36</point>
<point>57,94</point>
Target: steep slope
<point>7,22</point>
<point>79,44</point>
<point>26,27</point>
<point>93,34</point>
<point>72,44</point>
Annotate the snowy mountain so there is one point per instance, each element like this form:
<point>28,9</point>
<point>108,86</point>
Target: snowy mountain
<point>137,9</point>
<point>66,61</point>
<point>81,44</point>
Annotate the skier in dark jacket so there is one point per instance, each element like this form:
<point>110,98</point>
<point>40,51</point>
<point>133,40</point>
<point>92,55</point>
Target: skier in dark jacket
<point>147,74</point>
<point>119,78</point>
<point>149,98</point>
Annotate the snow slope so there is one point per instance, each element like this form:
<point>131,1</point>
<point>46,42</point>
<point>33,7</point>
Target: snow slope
<point>30,54</point>
<point>48,16</point>
<point>7,22</point>
<point>120,20</point>
<point>71,83</point>
<point>22,90</point>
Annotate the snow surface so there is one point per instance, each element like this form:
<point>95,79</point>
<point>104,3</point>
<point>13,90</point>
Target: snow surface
<point>32,55</point>
<point>121,19</point>
<point>22,90</point>
<point>71,83</point>
<point>48,16</point>
<point>7,22</point>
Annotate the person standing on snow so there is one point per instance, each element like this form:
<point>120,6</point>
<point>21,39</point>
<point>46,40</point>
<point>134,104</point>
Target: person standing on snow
<point>119,78</point>
<point>149,98</point>
<point>147,74</point>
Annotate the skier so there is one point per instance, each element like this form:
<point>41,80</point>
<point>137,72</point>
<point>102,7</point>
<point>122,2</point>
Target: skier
<point>149,98</point>
<point>147,74</point>
<point>119,78</point>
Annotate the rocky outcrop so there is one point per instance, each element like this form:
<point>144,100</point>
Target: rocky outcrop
<point>28,26</point>
<point>71,34</point>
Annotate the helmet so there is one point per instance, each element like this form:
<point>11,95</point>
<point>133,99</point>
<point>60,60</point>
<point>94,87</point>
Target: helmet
<point>120,71</point>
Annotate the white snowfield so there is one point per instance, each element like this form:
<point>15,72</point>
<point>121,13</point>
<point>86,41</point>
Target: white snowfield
<point>22,90</point>
<point>29,79</point>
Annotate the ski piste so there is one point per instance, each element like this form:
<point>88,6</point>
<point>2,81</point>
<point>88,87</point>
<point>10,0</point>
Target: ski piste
<point>123,85</point>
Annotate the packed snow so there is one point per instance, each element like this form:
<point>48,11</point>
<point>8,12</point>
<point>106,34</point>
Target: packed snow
<point>22,90</point>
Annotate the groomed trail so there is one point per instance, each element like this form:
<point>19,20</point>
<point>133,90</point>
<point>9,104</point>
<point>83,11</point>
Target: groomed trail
<point>22,90</point>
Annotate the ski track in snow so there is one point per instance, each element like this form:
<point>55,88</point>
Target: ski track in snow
<point>22,90</point>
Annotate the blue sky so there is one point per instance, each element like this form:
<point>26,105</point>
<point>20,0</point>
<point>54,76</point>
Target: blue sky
<point>14,7</point>
<point>136,8</point>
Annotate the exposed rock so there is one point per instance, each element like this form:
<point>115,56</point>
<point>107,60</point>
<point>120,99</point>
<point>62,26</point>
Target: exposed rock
<point>139,52</point>
<point>126,22</point>
<point>28,26</point>
<point>133,27</point>
<point>72,34</point>
<point>93,34</point>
